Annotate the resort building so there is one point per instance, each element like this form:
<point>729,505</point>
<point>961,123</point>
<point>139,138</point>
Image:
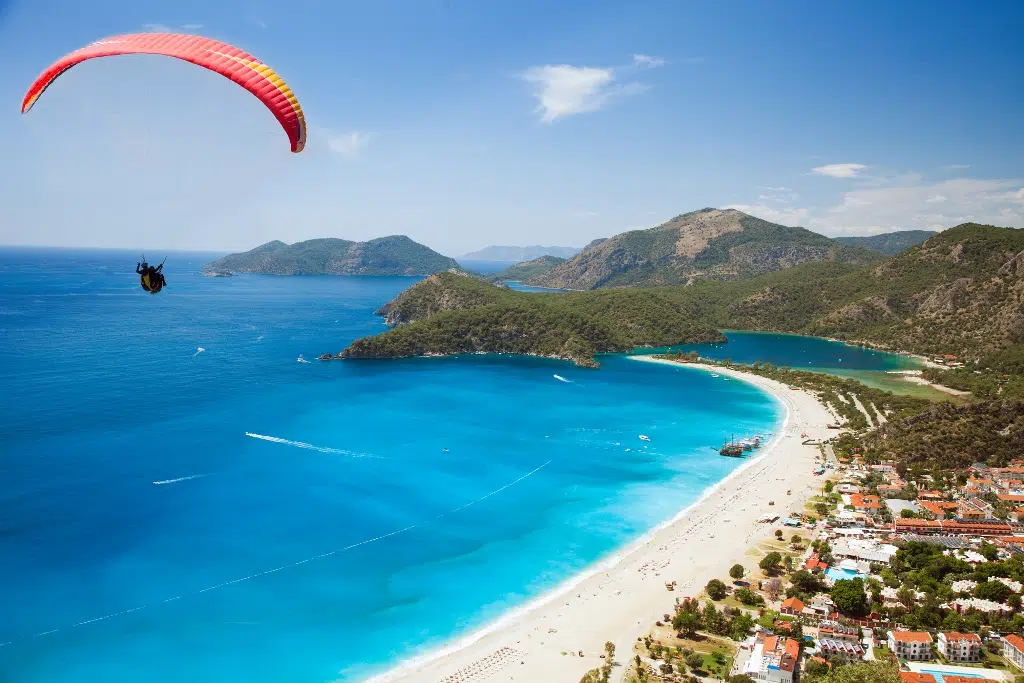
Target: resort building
<point>841,650</point>
<point>964,605</point>
<point>814,564</point>
<point>833,630</point>
<point>964,586</point>
<point>913,645</point>
<point>1013,650</point>
<point>973,509</point>
<point>792,606</point>
<point>773,659</point>
<point>959,647</point>
<point>867,504</point>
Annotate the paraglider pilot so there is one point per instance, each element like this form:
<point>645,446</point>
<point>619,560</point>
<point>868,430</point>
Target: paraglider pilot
<point>152,279</point>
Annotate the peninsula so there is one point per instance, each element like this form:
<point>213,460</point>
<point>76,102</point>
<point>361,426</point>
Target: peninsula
<point>392,255</point>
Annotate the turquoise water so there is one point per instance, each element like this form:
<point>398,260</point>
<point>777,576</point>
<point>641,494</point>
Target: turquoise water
<point>803,353</point>
<point>841,574</point>
<point>382,509</point>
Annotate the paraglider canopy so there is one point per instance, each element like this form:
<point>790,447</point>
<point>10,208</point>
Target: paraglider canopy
<point>224,59</point>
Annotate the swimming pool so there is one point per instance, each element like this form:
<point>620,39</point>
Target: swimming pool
<point>937,675</point>
<point>839,574</point>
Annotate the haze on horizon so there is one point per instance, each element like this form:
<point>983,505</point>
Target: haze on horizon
<point>463,125</point>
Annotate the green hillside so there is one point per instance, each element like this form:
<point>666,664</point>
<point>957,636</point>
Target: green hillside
<point>960,292</point>
<point>521,272</point>
<point>889,243</point>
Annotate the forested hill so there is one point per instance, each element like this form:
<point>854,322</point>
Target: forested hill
<point>959,292</point>
<point>521,272</point>
<point>393,255</point>
<point>889,243</point>
<point>452,313</point>
<point>707,244</point>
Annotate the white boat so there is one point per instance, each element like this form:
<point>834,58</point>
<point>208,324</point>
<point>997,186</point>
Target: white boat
<point>715,375</point>
<point>644,437</point>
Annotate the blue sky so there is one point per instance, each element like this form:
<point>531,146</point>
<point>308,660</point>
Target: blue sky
<point>467,123</point>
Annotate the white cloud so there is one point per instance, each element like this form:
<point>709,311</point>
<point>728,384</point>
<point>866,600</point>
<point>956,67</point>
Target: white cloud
<point>350,144</point>
<point>648,61</point>
<point>926,206</point>
<point>839,170</point>
<point>781,195</point>
<point>783,216</point>
<point>563,90</point>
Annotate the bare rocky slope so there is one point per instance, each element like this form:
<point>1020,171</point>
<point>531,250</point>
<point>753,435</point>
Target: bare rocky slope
<point>719,244</point>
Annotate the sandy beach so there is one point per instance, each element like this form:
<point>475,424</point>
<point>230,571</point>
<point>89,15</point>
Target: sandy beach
<point>620,598</point>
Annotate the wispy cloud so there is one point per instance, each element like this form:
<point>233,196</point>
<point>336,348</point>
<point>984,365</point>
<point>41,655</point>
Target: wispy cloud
<point>781,215</point>
<point>956,167</point>
<point>780,195</point>
<point>930,206</point>
<point>647,61</point>
<point>350,144</point>
<point>166,28</point>
<point>563,90</point>
<point>839,170</point>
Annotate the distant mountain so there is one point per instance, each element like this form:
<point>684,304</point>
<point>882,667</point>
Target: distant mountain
<point>519,254</point>
<point>889,243</point>
<point>522,272</point>
<point>707,244</point>
<point>393,255</point>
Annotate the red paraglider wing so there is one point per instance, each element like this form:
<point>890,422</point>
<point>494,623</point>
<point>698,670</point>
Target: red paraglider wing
<point>229,61</point>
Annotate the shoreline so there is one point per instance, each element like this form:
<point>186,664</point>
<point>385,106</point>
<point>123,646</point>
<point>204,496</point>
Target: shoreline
<point>526,638</point>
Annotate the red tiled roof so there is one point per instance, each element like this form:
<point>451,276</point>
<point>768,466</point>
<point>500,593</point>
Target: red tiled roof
<point>912,636</point>
<point>1015,640</point>
<point>964,679</point>
<point>794,603</point>
<point>973,637</point>
<point>912,677</point>
<point>1011,498</point>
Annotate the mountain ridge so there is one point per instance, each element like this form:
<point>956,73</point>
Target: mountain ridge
<point>518,254</point>
<point>888,243</point>
<point>718,244</point>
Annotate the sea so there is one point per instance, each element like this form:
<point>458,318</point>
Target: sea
<point>187,493</point>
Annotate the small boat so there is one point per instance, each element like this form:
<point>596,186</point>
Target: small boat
<point>644,437</point>
<point>716,375</point>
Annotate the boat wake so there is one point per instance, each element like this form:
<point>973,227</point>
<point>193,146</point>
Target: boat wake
<point>175,481</point>
<point>313,447</point>
<point>283,567</point>
<point>301,359</point>
<point>199,350</point>
<point>562,379</point>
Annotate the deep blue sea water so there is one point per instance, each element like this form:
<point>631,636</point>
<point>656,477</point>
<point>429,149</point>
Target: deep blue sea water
<point>399,504</point>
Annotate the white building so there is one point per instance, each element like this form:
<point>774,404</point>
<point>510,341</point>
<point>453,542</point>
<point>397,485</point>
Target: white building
<point>773,659</point>
<point>1013,650</point>
<point>913,645</point>
<point>960,647</point>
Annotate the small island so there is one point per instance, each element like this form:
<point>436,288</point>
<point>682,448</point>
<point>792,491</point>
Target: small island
<point>392,255</point>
